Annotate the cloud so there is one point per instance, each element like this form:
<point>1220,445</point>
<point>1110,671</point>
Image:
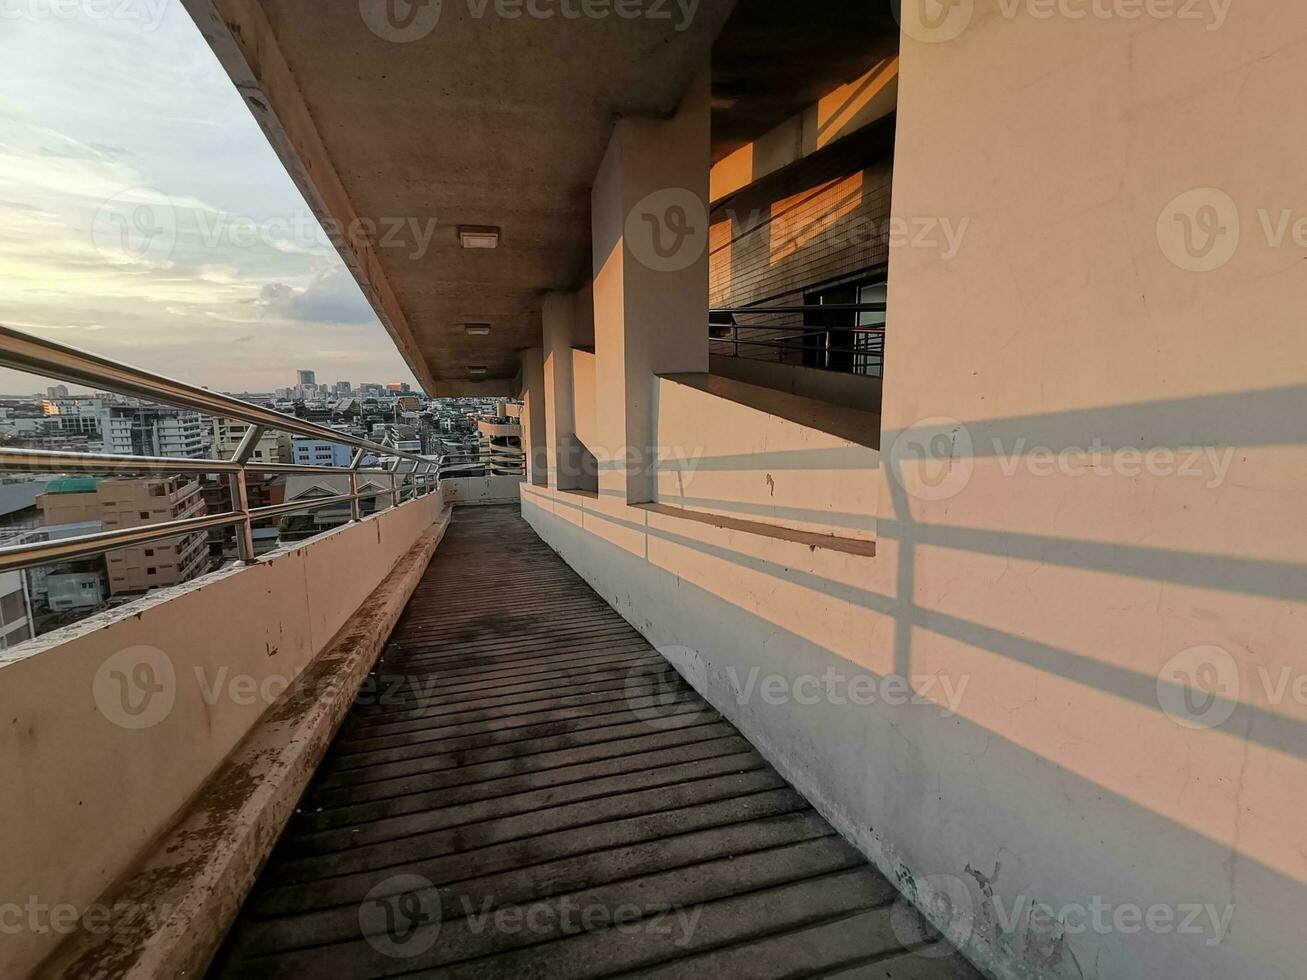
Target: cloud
<point>331,298</point>
<point>148,214</point>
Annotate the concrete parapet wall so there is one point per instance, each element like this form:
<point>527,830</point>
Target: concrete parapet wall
<point>463,491</point>
<point>111,727</point>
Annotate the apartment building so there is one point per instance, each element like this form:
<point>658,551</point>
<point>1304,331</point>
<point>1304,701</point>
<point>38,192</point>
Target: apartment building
<point>121,503</point>
<point>319,452</point>
<point>272,447</point>
<point>153,430</point>
<point>261,490</point>
<point>15,610</point>
<point>132,503</point>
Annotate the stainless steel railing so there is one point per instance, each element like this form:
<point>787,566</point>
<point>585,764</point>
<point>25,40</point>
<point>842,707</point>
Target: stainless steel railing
<point>409,475</point>
<point>501,461</point>
<point>832,336</point>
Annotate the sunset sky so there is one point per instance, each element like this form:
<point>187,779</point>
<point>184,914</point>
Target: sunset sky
<point>143,215</point>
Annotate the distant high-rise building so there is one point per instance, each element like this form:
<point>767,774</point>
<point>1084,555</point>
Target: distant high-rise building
<point>57,391</point>
<point>343,388</point>
<point>400,387</point>
<point>306,378</point>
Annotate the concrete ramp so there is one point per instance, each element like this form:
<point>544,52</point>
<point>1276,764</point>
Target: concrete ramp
<point>527,789</point>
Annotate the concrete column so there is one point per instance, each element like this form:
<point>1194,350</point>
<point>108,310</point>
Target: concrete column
<point>650,230</point>
<point>534,415</point>
<point>568,321</point>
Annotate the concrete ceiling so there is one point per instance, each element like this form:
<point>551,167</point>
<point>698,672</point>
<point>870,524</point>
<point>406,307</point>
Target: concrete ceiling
<point>498,121</point>
<point>776,57</point>
<point>484,121</point>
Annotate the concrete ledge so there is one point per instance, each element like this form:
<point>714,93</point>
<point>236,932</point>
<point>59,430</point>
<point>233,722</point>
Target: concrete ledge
<point>474,490</point>
<point>856,391</point>
<point>168,917</point>
<point>853,425</point>
<point>851,546</point>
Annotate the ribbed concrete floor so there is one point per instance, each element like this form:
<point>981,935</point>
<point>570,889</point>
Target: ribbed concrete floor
<point>530,792</point>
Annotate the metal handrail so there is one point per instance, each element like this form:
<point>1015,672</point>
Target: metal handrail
<point>809,308</point>
<point>36,355</point>
<point>19,556</point>
<point>730,329</point>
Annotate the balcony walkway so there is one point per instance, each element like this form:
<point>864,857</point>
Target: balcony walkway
<point>528,753</point>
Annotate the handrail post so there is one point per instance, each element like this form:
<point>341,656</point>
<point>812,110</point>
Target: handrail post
<point>240,503</point>
<point>355,506</point>
<point>394,484</point>
<point>240,493</point>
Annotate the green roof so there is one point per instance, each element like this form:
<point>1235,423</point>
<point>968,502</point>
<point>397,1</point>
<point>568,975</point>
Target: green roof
<point>74,484</point>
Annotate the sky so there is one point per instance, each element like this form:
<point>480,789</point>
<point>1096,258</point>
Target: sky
<point>144,217</point>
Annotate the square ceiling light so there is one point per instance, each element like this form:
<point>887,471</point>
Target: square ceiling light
<point>477,329</point>
<point>478,236</point>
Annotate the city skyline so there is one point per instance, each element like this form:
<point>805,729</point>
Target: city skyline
<point>234,279</point>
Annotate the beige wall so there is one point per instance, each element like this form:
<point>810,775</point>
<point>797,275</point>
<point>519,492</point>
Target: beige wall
<point>164,563</point>
<point>650,310</point>
<point>68,508</point>
<point>727,448</point>
<point>480,490</point>
<point>1049,547</point>
<point>583,398</point>
<point>221,650</point>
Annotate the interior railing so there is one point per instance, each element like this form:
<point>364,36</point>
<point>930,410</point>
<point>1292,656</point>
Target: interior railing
<point>409,475</point>
<point>845,337</point>
<point>499,460</point>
